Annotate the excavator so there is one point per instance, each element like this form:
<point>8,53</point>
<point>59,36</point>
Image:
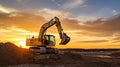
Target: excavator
<point>45,43</point>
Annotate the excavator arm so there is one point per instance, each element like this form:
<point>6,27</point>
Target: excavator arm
<point>63,36</point>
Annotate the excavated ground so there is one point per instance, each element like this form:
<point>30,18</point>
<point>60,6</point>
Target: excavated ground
<point>13,56</point>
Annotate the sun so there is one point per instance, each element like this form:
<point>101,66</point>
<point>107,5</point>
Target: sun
<point>22,44</point>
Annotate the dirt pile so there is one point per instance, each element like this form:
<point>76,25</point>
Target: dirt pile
<point>11,54</point>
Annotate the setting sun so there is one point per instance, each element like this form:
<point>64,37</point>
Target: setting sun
<point>22,44</point>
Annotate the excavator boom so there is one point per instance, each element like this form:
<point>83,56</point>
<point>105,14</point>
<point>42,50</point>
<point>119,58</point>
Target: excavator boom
<point>63,36</point>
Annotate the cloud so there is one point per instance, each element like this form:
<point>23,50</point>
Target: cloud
<point>7,10</point>
<point>105,13</point>
<point>3,31</point>
<point>54,1</point>
<point>22,20</point>
<point>115,45</point>
<point>15,14</point>
<point>94,41</point>
<point>13,32</point>
<point>116,39</point>
<point>50,13</point>
<point>99,27</point>
<point>26,20</point>
<point>19,0</point>
<point>114,12</point>
<point>74,3</point>
<point>22,1</point>
<point>18,30</point>
<point>83,18</point>
<point>107,30</point>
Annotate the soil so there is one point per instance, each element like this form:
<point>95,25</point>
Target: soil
<point>13,56</point>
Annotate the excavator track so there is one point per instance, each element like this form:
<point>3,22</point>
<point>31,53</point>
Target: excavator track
<point>43,50</point>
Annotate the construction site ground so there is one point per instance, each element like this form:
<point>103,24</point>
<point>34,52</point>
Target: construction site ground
<point>13,56</point>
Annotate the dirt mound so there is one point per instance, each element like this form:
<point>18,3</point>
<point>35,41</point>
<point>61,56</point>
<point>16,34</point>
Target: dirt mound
<point>11,54</point>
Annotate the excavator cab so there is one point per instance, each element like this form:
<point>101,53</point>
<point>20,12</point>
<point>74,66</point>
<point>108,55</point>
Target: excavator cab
<point>50,40</point>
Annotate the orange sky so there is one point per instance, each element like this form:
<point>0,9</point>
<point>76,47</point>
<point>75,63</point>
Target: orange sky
<point>83,35</point>
<point>98,33</point>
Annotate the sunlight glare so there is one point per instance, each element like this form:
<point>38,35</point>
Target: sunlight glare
<point>22,44</point>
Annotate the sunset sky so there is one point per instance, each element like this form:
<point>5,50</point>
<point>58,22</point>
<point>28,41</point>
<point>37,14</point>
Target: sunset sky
<point>89,23</point>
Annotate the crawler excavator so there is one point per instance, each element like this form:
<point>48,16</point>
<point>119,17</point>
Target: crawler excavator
<point>45,43</point>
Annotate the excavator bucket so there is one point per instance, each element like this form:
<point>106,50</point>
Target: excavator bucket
<point>65,39</point>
